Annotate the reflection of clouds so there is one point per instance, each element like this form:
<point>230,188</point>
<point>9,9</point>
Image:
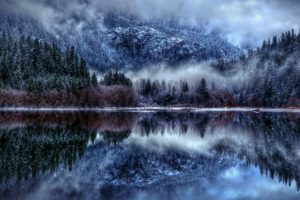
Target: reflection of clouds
<point>232,173</point>
<point>247,183</point>
<point>232,137</point>
<point>236,183</point>
<point>298,152</point>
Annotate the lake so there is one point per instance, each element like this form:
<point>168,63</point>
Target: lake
<point>149,155</point>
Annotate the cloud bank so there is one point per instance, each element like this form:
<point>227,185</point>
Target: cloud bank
<point>239,78</point>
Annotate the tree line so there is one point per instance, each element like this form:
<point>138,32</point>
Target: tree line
<point>182,93</point>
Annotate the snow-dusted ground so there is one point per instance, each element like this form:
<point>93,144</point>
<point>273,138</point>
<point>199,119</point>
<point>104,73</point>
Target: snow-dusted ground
<point>147,109</point>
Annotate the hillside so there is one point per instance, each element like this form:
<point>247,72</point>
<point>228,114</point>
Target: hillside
<point>276,65</point>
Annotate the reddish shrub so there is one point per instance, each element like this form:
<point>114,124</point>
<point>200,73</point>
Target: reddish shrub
<point>119,96</point>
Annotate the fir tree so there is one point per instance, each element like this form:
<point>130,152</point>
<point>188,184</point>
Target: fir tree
<point>204,91</point>
<point>94,80</point>
<point>274,42</point>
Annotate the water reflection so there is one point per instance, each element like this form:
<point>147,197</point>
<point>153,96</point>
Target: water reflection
<point>34,143</point>
<point>29,151</point>
<point>162,155</point>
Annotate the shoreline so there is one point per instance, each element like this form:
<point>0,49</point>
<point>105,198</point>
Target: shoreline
<point>150,109</point>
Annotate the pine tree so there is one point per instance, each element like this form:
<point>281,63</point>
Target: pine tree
<point>148,88</point>
<point>36,56</point>
<point>204,91</point>
<point>94,80</point>
<point>293,35</point>
<point>282,40</point>
<point>288,39</point>
<point>264,45</point>
<point>274,42</point>
<point>184,87</point>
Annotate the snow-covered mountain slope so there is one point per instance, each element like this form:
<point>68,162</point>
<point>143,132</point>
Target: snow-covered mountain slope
<point>140,43</point>
<point>144,45</point>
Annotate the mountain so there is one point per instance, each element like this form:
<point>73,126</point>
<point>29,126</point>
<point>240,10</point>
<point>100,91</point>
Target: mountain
<point>125,42</point>
<point>145,45</point>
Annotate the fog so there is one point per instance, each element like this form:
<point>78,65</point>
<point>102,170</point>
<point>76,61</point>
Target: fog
<point>237,78</point>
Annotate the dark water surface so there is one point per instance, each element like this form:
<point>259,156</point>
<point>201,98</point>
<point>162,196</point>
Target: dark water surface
<point>149,156</point>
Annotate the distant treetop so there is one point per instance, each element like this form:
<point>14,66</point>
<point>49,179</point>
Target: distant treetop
<point>116,78</point>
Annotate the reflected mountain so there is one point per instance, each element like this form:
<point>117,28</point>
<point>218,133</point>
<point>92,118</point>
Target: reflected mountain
<point>111,155</point>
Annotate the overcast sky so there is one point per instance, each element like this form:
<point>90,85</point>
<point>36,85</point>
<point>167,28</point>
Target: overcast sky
<point>242,22</point>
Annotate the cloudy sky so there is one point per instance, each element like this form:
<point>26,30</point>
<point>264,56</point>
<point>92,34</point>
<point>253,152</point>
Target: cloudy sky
<point>242,22</point>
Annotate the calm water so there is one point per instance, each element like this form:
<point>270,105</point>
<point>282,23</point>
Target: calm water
<point>149,156</point>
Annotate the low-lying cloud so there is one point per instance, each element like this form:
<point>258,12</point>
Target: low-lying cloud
<point>193,73</point>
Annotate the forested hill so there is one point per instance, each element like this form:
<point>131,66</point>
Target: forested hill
<point>276,65</point>
<point>279,51</point>
<point>35,66</point>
